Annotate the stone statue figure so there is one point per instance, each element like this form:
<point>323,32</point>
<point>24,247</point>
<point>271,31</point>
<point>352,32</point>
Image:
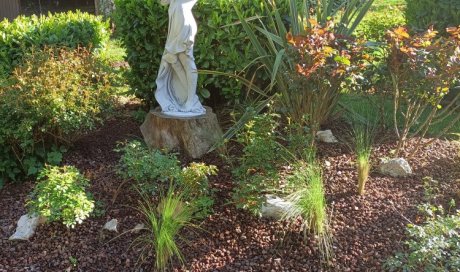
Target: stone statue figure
<point>177,76</point>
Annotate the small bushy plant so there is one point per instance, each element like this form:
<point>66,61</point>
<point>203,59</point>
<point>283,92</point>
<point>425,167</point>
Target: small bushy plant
<point>194,182</point>
<point>71,29</point>
<point>423,67</point>
<point>48,101</point>
<point>258,169</point>
<point>421,14</point>
<point>153,169</point>
<point>432,246</point>
<point>60,195</point>
<point>323,61</point>
<point>147,166</point>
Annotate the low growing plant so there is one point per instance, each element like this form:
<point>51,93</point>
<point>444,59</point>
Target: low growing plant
<point>152,170</point>
<point>194,182</point>
<point>258,169</point>
<point>164,223</point>
<point>147,166</point>
<point>60,195</point>
<point>432,246</point>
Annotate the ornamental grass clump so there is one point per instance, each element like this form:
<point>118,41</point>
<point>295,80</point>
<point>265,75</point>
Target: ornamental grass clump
<point>363,135</point>
<point>60,196</point>
<point>163,223</point>
<point>309,203</point>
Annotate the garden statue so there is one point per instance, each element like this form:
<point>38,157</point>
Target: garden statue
<point>182,122</point>
<point>177,76</point>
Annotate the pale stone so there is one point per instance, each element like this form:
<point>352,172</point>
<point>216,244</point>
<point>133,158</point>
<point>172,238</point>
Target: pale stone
<point>178,76</point>
<point>138,228</point>
<point>111,225</point>
<point>326,136</point>
<point>397,167</point>
<point>194,135</point>
<point>26,226</point>
<point>275,207</point>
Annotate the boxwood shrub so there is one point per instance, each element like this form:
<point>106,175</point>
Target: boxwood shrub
<point>220,44</point>
<point>420,14</point>
<point>71,29</point>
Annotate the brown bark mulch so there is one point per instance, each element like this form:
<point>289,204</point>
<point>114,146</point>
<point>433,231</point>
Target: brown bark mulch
<point>366,229</point>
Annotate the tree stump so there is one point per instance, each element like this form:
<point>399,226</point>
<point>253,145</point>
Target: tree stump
<point>194,135</point>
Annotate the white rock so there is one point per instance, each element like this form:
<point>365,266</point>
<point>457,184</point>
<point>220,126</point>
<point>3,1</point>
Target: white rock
<point>274,207</point>
<point>26,226</point>
<point>398,167</point>
<point>326,136</point>
<point>138,228</point>
<point>111,225</point>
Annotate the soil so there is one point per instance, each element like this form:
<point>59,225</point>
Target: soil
<point>366,229</point>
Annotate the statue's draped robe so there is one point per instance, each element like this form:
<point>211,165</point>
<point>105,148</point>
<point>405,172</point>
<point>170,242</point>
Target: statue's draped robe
<point>176,89</point>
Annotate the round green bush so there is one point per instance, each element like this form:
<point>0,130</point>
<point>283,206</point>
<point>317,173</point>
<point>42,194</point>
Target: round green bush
<point>60,196</point>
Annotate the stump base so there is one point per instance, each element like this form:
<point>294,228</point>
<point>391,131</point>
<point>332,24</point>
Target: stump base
<point>194,135</point>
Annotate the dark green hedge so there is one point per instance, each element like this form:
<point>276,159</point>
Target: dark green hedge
<point>420,14</point>
<point>220,44</point>
<point>71,29</point>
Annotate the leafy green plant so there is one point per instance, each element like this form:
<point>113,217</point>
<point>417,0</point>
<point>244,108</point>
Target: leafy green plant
<point>421,14</point>
<point>323,61</point>
<point>432,246</point>
<point>220,44</point>
<point>423,68</point>
<point>309,203</point>
<point>147,166</point>
<point>71,29</point>
<point>375,24</point>
<point>48,101</point>
<point>153,169</point>
<point>363,136</point>
<point>258,169</point>
<point>163,223</point>
<point>267,36</point>
<point>194,182</point>
<point>60,196</point>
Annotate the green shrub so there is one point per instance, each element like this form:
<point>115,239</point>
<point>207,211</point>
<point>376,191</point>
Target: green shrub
<point>194,182</point>
<point>258,169</point>
<point>147,166</point>
<point>221,46</point>
<point>375,25</point>
<point>47,102</point>
<point>60,196</point>
<point>152,170</point>
<point>71,29</point>
<point>432,246</point>
<point>420,14</point>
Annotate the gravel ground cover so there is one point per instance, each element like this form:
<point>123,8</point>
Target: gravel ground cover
<point>367,229</point>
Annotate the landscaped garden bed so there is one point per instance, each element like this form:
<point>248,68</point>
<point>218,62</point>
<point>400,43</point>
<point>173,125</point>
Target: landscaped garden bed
<point>366,229</point>
<point>339,150</point>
